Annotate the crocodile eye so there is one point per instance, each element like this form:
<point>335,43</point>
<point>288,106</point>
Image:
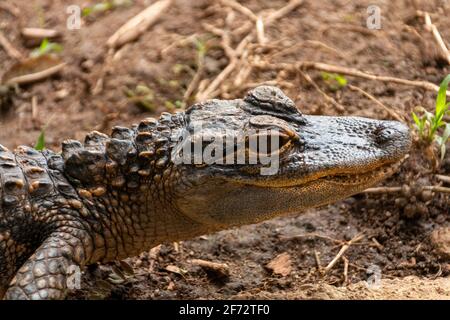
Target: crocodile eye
<point>270,142</point>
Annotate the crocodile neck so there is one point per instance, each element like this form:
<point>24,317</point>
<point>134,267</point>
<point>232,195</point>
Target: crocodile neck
<point>125,184</point>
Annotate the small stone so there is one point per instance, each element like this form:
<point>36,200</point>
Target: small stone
<point>281,264</point>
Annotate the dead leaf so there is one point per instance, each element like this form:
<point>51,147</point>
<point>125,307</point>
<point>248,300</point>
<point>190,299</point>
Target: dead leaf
<point>154,252</point>
<point>129,271</point>
<point>281,264</point>
<point>175,269</point>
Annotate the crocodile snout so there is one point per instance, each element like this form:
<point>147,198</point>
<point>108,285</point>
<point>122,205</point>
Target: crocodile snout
<point>393,134</point>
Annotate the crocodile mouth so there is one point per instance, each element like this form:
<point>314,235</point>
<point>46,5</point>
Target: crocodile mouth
<point>375,174</point>
<point>348,178</point>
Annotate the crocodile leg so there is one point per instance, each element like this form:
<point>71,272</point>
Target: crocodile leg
<point>51,270</point>
<point>12,255</point>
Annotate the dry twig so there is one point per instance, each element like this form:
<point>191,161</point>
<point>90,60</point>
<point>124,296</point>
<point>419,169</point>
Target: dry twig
<point>389,110</point>
<point>325,46</point>
<point>357,73</point>
<point>349,72</point>
<point>225,39</point>
<point>317,258</point>
<point>240,8</point>
<point>437,36</point>
<point>196,79</point>
<point>443,178</point>
<point>137,25</point>
<point>220,269</point>
<point>212,89</point>
<point>39,33</point>
<point>260,31</point>
<point>280,13</point>
<point>9,48</point>
<point>377,244</point>
<point>34,107</point>
<point>339,107</point>
<point>179,43</point>
<point>344,248</point>
<point>345,271</point>
<point>437,189</point>
<point>379,190</point>
<point>32,77</point>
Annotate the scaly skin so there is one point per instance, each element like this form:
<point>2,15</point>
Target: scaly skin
<point>114,197</point>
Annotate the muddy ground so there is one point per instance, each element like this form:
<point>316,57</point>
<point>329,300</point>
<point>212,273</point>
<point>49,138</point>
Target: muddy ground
<point>93,92</point>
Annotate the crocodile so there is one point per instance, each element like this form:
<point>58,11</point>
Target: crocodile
<point>115,196</point>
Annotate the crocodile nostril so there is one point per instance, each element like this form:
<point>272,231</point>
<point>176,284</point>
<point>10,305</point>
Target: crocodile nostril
<point>385,134</point>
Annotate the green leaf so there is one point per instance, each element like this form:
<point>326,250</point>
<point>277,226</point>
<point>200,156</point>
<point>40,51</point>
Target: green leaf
<point>46,47</point>
<point>104,6</point>
<point>179,104</point>
<point>40,143</point>
<point>86,11</point>
<point>416,119</point>
<point>341,80</point>
<point>325,75</point>
<point>441,100</point>
<point>200,47</point>
<point>335,81</point>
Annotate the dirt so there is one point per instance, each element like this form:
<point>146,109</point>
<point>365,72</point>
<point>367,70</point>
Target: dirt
<point>395,259</point>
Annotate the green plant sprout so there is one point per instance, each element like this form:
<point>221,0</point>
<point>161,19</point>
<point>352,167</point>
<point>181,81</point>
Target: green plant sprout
<point>201,48</point>
<point>40,143</point>
<point>104,6</point>
<point>46,47</point>
<point>335,81</point>
<point>428,124</point>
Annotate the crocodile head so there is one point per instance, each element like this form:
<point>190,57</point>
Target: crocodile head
<point>302,161</point>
